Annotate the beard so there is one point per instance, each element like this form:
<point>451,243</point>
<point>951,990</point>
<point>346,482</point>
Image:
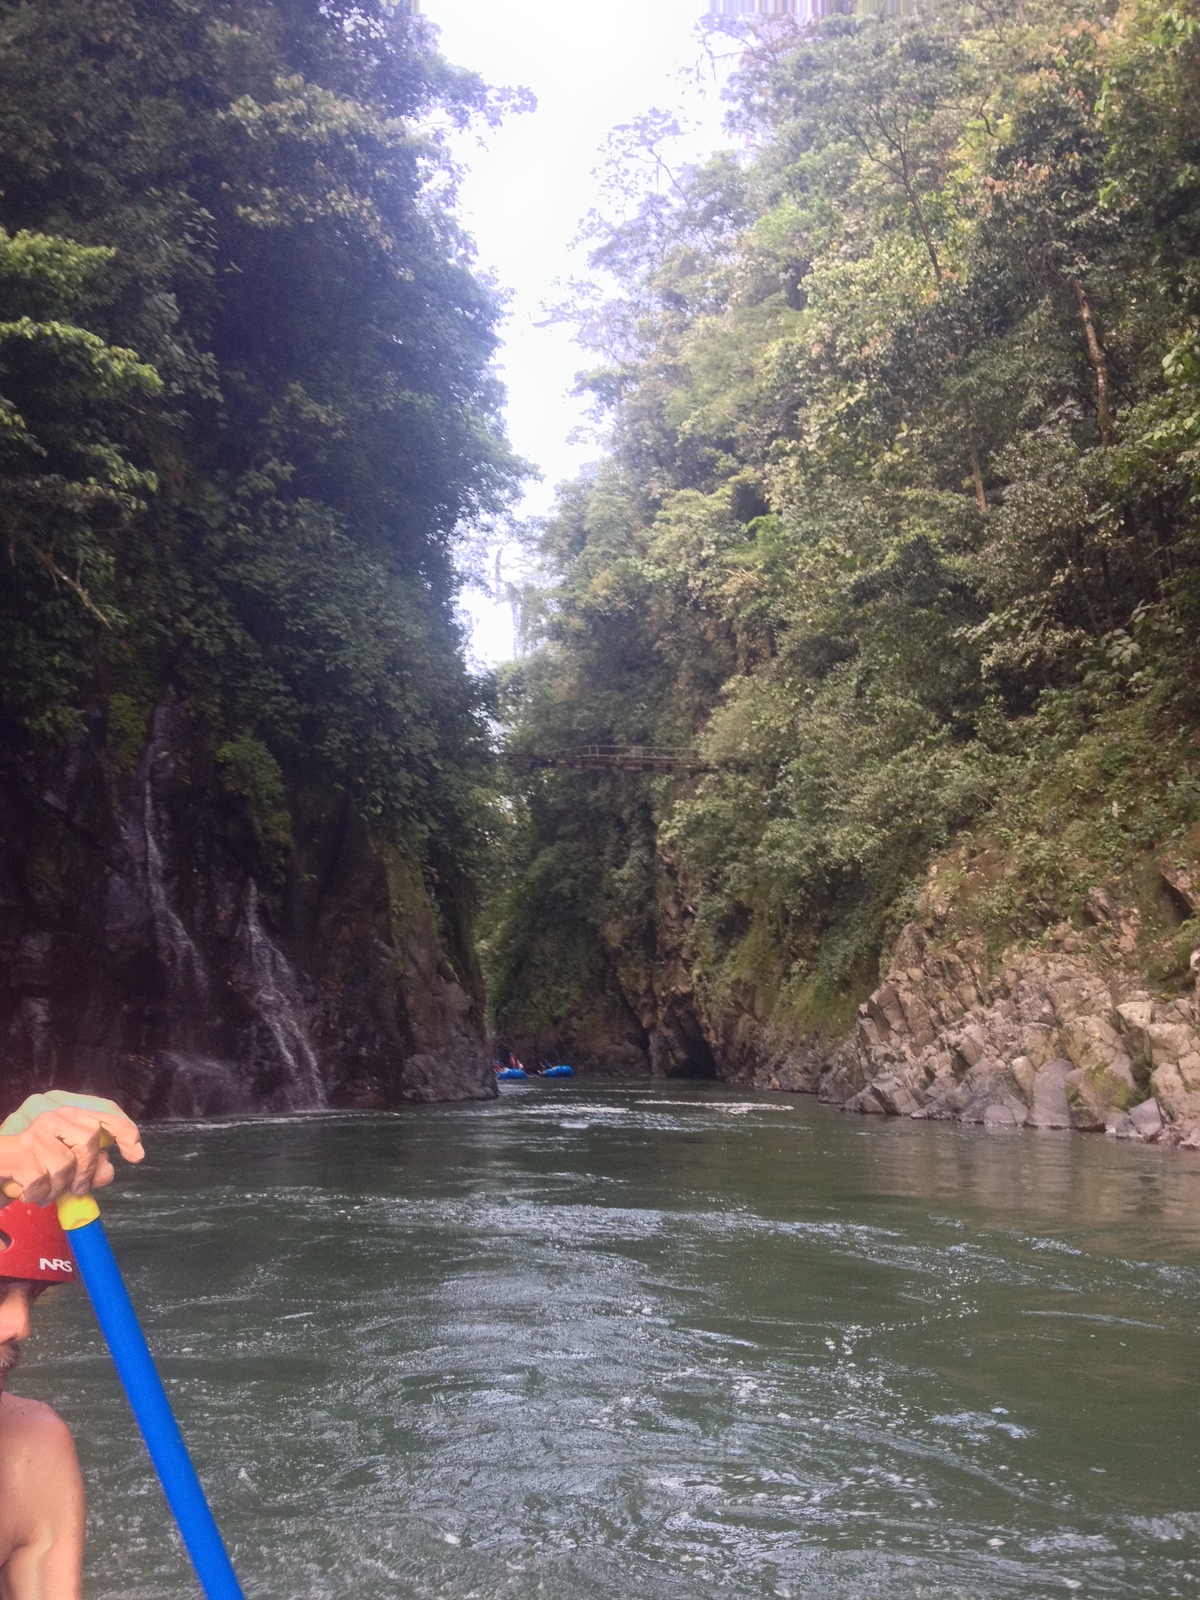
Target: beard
<point>10,1357</point>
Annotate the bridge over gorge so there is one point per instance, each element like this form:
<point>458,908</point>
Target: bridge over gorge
<point>613,758</point>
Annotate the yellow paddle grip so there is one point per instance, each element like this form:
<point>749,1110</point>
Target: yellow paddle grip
<point>76,1211</point>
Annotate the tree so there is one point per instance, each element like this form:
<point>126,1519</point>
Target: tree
<point>252,410</point>
<point>901,491</point>
<point>70,404</point>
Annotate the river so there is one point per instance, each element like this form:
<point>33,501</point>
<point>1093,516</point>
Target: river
<point>653,1340</point>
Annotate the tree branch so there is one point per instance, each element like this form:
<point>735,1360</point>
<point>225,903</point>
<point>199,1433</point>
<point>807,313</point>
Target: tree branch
<point>976,470</point>
<point>1098,360</point>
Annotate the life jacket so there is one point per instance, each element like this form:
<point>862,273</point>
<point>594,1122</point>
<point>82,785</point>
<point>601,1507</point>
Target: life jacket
<point>34,1246</point>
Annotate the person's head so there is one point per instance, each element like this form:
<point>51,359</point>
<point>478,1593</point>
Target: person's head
<point>34,1253</point>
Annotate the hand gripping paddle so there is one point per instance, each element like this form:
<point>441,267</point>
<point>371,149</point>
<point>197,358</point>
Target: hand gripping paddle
<point>80,1218</point>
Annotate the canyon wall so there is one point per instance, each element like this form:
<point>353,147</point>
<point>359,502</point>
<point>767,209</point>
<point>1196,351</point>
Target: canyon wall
<point>1068,1031</point>
<point>153,950</point>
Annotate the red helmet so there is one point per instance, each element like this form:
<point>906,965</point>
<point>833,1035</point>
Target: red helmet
<point>34,1246</point>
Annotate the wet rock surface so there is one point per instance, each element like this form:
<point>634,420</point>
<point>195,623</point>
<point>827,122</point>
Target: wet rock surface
<point>149,950</point>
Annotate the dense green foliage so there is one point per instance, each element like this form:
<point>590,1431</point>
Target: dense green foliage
<point>245,399</point>
<point>900,503</point>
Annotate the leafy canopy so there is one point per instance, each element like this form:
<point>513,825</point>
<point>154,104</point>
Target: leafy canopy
<point>902,462</point>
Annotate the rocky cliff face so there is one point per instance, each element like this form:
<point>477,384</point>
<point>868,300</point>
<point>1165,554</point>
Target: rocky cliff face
<point>1049,1042</point>
<point>154,948</point>
<point>1066,1034</point>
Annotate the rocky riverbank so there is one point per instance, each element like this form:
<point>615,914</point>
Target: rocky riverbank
<point>1049,1042</point>
<point>1065,1031</point>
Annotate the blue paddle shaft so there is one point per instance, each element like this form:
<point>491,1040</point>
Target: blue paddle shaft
<point>135,1366</point>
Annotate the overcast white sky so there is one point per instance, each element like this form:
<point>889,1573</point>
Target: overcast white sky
<point>592,67</point>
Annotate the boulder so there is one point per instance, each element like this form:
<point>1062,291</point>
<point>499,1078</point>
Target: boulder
<point>989,1083</point>
<point>847,1073</point>
<point>1096,1094</point>
<point>1049,1107</point>
<point>1171,1041</point>
<point>1004,1114</point>
<point>1098,906</point>
<point>895,1096</point>
<point>1091,1042</point>
<point>1121,1068</point>
<point>1180,1106</point>
<point>866,1102</point>
<point>1182,882</point>
<point>886,1012</point>
<point>922,1028</point>
<point>1042,1043</point>
<point>1133,1019</point>
<point>1177,1010</point>
<point>969,1047</point>
<point>1024,1071</point>
<point>1075,994</point>
<point>1146,1119</point>
<point>867,1032</point>
<point>1087,1103</point>
<point>799,1074</point>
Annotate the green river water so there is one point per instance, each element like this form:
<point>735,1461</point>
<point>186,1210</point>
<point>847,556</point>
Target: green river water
<point>652,1340</point>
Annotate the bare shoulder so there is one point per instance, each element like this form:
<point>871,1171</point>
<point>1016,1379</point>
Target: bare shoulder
<point>29,1428</point>
<point>41,1504</point>
<point>19,1415</point>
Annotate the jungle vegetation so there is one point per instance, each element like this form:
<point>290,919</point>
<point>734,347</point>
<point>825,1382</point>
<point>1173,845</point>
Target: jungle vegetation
<point>246,403</point>
<point>897,524</point>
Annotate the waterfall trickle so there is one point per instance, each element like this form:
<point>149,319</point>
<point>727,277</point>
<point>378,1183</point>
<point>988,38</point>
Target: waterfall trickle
<point>273,992</point>
<point>188,986</point>
<point>225,1018</point>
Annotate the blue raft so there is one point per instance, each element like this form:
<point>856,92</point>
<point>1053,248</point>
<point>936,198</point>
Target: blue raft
<point>561,1071</point>
<point>511,1075</point>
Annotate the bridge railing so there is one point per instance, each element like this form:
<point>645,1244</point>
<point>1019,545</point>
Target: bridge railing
<point>611,758</point>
